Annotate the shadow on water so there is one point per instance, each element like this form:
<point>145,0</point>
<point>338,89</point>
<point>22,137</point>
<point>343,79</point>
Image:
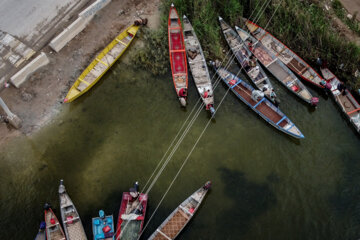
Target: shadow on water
<point>346,200</point>
<point>249,201</point>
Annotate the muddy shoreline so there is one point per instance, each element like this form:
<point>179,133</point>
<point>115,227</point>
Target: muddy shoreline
<point>39,99</point>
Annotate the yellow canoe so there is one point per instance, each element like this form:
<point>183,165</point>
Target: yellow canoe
<point>99,66</point>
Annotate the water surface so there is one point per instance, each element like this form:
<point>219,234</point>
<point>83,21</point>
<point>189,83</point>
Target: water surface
<point>266,185</point>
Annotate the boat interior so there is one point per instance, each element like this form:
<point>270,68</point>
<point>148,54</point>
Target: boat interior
<point>104,61</point>
<point>263,106</point>
<point>286,56</point>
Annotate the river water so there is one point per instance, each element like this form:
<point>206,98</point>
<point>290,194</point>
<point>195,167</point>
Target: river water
<point>266,185</point>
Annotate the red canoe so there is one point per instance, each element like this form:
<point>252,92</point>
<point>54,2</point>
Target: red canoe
<point>131,216</point>
<point>177,55</point>
<point>54,230</point>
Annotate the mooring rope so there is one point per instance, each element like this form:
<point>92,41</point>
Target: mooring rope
<point>183,136</point>
<point>191,151</point>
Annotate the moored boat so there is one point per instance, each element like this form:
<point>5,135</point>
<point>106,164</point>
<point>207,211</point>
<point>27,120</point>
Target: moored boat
<point>41,234</point>
<point>259,104</point>
<point>177,55</point>
<point>53,228</point>
<point>198,67</point>
<point>131,214</point>
<point>345,99</point>
<point>251,67</point>
<point>277,68</point>
<point>286,55</point>
<point>73,227</point>
<point>102,63</point>
<point>103,227</point>
<point>178,219</point>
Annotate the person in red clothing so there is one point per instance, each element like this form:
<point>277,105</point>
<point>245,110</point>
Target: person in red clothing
<point>207,94</point>
<point>250,45</point>
<point>182,92</point>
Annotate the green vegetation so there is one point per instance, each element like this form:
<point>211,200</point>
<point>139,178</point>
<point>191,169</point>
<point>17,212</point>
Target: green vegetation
<point>301,25</point>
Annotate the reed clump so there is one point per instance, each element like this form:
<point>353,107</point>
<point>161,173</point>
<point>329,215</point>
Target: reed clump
<point>301,25</point>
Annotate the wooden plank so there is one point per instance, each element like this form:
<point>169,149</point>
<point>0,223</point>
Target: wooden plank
<point>163,234</point>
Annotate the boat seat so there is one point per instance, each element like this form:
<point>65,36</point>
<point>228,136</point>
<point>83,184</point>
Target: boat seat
<point>69,211</point>
<point>71,220</point>
<point>183,213</point>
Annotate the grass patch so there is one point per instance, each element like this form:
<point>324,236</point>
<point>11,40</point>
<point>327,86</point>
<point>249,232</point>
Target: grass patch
<point>301,25</point>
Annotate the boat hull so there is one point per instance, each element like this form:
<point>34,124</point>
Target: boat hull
<point>277,68</point>
<point>53,230</point>
<point>256,73</point>
<point>263,107</point>
<point>286,55</point>
<point>180,217</point>
<point>101,64</point>
<point>347,103</point>
<point>103,228</point>
<point>73,227</point>
<point>129,226</point>
<point>198,66</point>
<point>177,52</point>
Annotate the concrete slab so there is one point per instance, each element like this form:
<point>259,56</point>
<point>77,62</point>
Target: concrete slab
<point>22,75</point>
<point>78,25</point>
<point>68,34</point>
<point>90,11</point>
<point>24,18</point>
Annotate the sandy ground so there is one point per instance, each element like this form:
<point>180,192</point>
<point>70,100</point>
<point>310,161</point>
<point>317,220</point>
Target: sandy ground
<point>352,6</point>
<point>39,99</point>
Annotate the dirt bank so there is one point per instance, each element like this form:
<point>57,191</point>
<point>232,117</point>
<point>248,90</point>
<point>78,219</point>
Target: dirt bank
<point>352,6</point>
<point>39,99</point>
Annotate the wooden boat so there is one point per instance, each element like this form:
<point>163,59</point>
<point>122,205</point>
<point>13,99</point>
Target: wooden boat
<point>277,68</point>
<point>53,230</point>
<point>73,227</point>
<point>131,215</point>
<point>263,107</point>
<point>198,67</point>
<point>177,55</point>
<point>347,102</point>
<point>102,63</point>
<point>286,55</point>
<point>41,234</point>
<point>103,227</point>
<point>178,219</point>
<point>242,54</point>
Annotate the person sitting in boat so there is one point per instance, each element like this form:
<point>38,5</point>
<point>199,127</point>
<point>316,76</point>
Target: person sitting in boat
<point>273,95</point>
<point>246,65</point>
<point>257,95</point>
<point>250,45</point>
<point>206,93</point>
<point>252,62</point>
<point>183,92</point>
<point>232,82</point>
<point>341,87</point>
<point>134,192</point>
<point>182,96</point>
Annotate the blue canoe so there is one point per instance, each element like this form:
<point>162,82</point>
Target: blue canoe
<point>103,227</point>
<point>263,107</point>
<point>41,234</point>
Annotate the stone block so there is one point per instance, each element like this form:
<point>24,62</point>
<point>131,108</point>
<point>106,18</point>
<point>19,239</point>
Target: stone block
<point>22,75</point>
<point>68,34</point>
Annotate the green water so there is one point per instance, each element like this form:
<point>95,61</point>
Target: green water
<point>266,185</point>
